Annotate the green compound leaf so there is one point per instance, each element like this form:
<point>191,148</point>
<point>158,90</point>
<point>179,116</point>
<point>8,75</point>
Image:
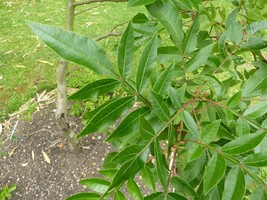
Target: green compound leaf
<point>74,47</point>
<point>95,89</point>
<point>160,107</point>
<point>126,52</point>
<point>129,125</point>
<point>167,14</point>
<point>256,160</point>
<point>96,184</point>
<point>148,178</point>
<point>106,114</point>
<point>182,186</point>
<point>213,173</point>
<point>235,185</point>
<point>256,110</point>
<point>146,64</point>
<point>244,143</point>
<point>191,124</point>
<point>84,196</point>
<point>134,190</point>
<point>210,131</point>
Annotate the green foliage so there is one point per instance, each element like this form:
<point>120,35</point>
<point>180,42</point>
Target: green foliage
<point>200,84</point>
<point>5,192</point>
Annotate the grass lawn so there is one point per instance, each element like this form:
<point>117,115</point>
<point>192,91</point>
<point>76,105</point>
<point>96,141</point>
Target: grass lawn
<point>26,65</point>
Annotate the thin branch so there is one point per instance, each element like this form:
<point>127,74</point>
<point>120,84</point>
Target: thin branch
<point>95,1</point>
<point>111,33</point>
<point>107,35</point>
<point>89,9</point>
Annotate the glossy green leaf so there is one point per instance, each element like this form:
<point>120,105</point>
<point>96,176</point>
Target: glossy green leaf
<point>155,196</point>
<point>146,64</point>
<point>126,52</point>
<point>106,114</point>
<point>257,83</point>
<point>164,80</point>
<point>181,186</point>
<point>191,124</point>
<point>217,85</point>
<point>129,169</point>
<point>96,184</point>
<point>134,190</point>
<point>95,89</point>
<point>210,131</point>
<point>234,186</point>
<point>129,125</point>
<point>119,196</point>
<point>109,173</point>
<point>168,54</point>
<point>74,47</point>
<point>161,166</point>
<point>190,41</point>
<point>259,193</point>
<point>244,143</point>
<point>160,107</point>
<point>139,2</point>
<point>234,100</point>
<point>256,26</point>
<point>256,110</point>
<point>194,168</point>
<point>127,153</point>
<point>177,96</point>
<point>175,196</point>
<point>199,58</point>
<point>194,152</point>
<point>169,17</point>
<point>148,178</point>
<point>213,173</point>
<point>84,196</point>
<point>255,43</point>
<point>146,129</point>
<point>256,160</point>
<point>242,127</point>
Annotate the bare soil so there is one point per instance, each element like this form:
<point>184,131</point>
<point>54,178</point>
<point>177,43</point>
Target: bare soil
<point>38,161</point>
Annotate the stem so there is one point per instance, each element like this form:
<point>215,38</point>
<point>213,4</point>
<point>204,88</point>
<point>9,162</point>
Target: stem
<point>94,1</point>
<point>231,159</point>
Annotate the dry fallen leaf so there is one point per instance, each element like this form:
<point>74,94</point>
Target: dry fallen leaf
<point>47,159</point>
<point>33,155</point>
<point>24,164</point>
<point>12,151</point>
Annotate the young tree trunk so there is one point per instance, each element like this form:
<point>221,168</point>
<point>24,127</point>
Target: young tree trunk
<point>61,114</point>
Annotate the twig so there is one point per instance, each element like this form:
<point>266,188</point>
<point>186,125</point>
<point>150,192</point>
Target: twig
<point>95,1</point>
<point>14,129</point>
<point>111,33</point>
<point>89,9</point>
<point>107,35</point>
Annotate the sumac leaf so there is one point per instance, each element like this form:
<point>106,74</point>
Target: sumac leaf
<point>234,186</point>
<point>244,143</point>
<point>256,160</point>
<point>96,184</point>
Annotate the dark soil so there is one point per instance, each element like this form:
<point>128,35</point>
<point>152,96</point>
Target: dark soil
<point>26,164</point>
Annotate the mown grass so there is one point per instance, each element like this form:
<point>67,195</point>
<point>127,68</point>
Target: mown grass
<point>26,65</point>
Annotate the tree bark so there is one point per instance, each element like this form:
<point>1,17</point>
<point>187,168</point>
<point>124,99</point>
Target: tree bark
<point>61,114</point>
